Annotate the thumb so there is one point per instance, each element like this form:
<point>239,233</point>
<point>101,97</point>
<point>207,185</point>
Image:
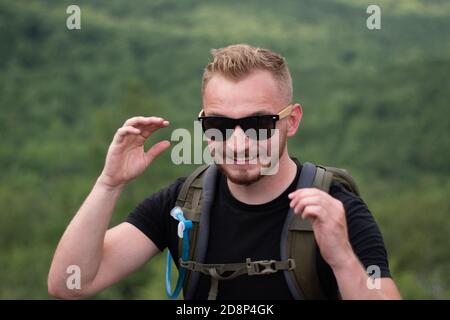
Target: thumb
<point>156,150</point>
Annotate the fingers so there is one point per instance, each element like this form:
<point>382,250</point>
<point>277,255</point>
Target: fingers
<point>298,204</point>
<point>143,126</point>
<point>304,192</point>
<point>124,131</point>
<point>317,204</point>
<point>146,121</point>
<point>147,124</point>
<point>156,150</point>
<point>309,203</point>
<point>313,212</point>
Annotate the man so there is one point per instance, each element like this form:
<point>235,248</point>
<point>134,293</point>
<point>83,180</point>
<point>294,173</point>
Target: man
<point>249,207</point>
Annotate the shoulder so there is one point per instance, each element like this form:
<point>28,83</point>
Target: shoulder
<point>357,212</point>
<point>350,200</point>
<point>151,215</point>
<point>364,233</point>
<point>360,221</point>
<point>158,203</point>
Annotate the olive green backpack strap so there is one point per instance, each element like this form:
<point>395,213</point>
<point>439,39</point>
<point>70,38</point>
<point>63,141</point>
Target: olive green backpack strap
<point>298,243</point>
<point>323,179</point>
<point>298,240</point>
<point>189,200</point>
<point>337,174</point>
<point>229,271</point>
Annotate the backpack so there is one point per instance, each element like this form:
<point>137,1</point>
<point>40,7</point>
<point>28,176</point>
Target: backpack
<point>298,247</point>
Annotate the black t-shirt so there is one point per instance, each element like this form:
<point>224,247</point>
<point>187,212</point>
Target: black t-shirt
<point>239,231</point>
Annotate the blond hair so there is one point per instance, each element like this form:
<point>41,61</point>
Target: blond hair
<point>237,61</point>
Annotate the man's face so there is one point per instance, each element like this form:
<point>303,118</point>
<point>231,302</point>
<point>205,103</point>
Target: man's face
<point>240,158</point>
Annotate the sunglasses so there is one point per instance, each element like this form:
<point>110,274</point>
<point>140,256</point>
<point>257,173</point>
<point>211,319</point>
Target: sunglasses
<point>259,127</point>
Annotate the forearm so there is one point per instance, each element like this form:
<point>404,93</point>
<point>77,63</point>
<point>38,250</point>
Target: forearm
<point>353,281</point>
<point>82,242</point>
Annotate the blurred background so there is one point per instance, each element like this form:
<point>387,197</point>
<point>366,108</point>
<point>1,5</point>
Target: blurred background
<point>375,102</point>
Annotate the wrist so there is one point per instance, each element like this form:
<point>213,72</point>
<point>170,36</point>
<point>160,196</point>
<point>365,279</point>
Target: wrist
<point>351,278</point>
<point>103,183</point>
<point>349,264</point>
<point>347,261</point>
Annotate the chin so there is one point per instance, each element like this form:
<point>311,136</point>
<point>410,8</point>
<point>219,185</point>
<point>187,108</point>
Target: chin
<point>241,174</point>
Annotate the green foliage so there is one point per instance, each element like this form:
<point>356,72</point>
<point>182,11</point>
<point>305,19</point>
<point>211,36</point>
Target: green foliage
<point>418,243</point>
<point>374,102</point>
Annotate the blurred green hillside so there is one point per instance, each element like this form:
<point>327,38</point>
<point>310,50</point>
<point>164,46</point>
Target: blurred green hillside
<point>375,102</point>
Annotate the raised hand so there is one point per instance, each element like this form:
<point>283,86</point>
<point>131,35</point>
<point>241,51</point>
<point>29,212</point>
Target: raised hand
<point>126,158</point>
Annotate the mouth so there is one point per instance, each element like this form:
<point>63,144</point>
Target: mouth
<point>242,160</point>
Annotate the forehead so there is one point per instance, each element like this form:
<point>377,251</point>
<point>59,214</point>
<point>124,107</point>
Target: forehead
<point>256,93</point>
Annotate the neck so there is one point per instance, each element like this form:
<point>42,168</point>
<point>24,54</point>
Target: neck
<point>268,187</point>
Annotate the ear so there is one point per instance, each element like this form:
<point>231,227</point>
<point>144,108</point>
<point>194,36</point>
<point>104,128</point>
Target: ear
<point>294,119</point>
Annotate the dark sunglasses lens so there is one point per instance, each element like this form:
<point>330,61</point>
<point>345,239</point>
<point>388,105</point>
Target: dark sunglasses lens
<point>215,128</point>
<point>258,127</point>
<point>266,124</point>
<point>250,126</point>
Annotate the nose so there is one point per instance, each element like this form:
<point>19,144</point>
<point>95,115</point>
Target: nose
<point>238,142</point>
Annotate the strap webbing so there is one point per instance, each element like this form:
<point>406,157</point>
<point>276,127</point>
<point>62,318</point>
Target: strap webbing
<point>208,190</point>
<point>214,289</point>
<point>217,271</point>
<point>184,189</point>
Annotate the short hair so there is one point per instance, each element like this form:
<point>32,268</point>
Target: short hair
<point>239,60</point>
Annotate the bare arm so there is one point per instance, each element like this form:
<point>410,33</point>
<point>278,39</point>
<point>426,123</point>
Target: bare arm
<point>353,283</point>
<point>327,216</point>
<point>106,256</point>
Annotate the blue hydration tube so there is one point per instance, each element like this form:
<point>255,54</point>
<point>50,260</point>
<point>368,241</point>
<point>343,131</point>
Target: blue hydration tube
<point>183,232</point>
